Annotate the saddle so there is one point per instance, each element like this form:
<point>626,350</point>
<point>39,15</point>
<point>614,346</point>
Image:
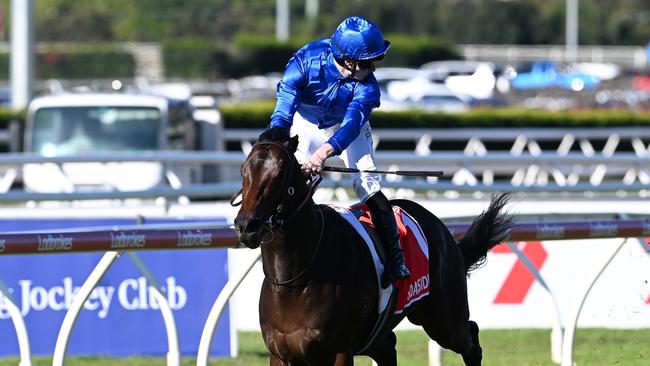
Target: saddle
<point>416,253</point>
<point>397,297</point>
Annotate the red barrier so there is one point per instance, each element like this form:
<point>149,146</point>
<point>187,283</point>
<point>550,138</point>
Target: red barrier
<point>224,237</point>
<point>102,241</point>
<point>568,230</point>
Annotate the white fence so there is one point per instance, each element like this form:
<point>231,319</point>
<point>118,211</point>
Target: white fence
<point>622,175</point>
<point>86,241</point>
<point>593,162</point>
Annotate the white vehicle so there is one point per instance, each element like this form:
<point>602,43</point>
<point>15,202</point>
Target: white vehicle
<point>395,98</point>
<point>421,93</point>
<point>601,70</point>
<point>475,79</point>
<point>439,98</point>
<point>78,124</point>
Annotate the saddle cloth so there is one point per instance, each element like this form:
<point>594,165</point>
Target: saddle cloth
<point>416,255</point>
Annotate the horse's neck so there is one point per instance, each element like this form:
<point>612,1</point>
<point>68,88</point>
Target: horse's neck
<point>291,251</point>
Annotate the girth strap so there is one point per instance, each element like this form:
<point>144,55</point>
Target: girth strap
<point>382,324</point>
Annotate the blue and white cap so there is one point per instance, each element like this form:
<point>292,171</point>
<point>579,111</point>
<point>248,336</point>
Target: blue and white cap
<point>358,39</point>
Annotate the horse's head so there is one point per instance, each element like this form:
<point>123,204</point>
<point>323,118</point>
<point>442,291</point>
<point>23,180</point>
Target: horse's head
<point>272,189</point>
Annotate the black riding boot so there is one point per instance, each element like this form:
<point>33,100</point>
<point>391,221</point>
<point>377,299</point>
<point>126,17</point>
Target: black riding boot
<point>384,220</point>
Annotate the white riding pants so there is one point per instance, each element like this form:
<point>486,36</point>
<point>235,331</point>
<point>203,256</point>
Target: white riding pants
<point>358,155</point>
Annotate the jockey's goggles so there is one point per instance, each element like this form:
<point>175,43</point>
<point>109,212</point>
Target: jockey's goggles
<point>369,64</point>
<point>362,64</point>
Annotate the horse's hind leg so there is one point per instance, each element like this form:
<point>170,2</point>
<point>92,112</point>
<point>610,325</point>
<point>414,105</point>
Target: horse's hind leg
<point>474,354</point>
<point>384,353</point>
<point>462,340</point>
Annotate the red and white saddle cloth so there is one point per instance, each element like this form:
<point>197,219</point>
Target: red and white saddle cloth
<point>416,255</point>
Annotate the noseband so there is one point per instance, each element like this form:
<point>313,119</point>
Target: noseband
<point>275,220</point>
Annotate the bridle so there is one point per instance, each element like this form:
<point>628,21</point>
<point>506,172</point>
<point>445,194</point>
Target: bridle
<point>277,219</point>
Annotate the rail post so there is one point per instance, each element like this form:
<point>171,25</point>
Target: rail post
<point>77,305</point>
<point>570,329</point>
<point>173,353</point>
<point>213,317</point>
<point>19,325</point>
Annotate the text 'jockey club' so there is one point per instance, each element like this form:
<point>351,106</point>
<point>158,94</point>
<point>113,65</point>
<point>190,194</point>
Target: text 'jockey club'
<point>131,294</point>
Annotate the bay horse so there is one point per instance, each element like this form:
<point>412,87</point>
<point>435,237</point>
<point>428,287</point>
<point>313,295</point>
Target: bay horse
<point>319,297</point>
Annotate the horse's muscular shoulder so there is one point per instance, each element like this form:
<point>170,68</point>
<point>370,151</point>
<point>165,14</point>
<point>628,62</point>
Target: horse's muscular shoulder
<point>299,344</point>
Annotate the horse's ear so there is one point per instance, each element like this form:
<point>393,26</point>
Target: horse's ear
<point>292,144</point>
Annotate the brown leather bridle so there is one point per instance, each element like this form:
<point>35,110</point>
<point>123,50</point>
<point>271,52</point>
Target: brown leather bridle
<point>276,220</point>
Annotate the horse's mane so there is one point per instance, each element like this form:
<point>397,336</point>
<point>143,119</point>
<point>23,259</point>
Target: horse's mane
<point>280,135</point>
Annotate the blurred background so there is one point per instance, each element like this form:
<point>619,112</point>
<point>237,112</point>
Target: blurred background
<point>535,54</point>
<point>116,113</point>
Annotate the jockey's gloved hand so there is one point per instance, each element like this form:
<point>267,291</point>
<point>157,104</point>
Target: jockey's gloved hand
<point>315,162</point>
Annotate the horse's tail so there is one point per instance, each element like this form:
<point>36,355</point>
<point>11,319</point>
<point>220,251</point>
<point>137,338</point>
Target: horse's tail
<point>487,230</point>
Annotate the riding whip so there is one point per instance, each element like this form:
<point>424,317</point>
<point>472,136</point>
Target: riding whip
<point>408,173</point>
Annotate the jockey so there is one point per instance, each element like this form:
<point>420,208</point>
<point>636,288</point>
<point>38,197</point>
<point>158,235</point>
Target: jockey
<point>326,95</point>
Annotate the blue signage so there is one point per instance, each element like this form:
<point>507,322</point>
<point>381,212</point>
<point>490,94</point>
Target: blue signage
<point>121,317</point>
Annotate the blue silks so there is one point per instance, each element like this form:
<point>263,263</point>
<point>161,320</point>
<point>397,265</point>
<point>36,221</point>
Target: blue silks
<point>313,86</point>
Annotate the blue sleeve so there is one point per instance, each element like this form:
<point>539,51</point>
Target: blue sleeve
<point>288,93</point>
<point>358,113</point>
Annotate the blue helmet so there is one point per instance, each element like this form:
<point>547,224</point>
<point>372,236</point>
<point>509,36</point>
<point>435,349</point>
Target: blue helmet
<point>358,39</point>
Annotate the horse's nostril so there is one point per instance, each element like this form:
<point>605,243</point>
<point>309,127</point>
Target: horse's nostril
<point>239,225</point>
<point>254,225</point>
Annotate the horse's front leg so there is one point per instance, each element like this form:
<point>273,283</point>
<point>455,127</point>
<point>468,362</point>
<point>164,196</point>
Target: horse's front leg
<point>344,359</point>
<point>384,352</point>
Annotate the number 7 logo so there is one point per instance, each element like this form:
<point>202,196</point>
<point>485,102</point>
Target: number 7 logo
<point>520,280</point>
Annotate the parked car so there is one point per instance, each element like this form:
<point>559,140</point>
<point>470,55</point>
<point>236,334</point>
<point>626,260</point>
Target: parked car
<point>601,70</point>
<point>420,93</point>
<point>475,79</point>
<point>439,98</point>
<point>387,75</point>
<point>546,74</point>
<point>77,124</point>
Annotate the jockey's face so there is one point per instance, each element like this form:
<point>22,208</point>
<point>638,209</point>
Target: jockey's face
<point>361,69</point>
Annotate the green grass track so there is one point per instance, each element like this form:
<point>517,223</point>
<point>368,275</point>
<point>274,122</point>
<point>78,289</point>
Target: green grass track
<point>518,347</point>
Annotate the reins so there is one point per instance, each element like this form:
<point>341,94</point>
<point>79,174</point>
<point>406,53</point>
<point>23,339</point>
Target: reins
<point>311,260</point>
<point>275,221</point>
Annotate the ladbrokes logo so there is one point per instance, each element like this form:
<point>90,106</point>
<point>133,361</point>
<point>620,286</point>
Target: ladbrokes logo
<point>123,240</point>
<point>3,245</point>
<point>604,229</point>
<point>546,231</point>
<point>53,243</point>
<point>194,239</point>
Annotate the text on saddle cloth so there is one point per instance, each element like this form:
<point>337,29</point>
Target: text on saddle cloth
<point>416,255</point>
